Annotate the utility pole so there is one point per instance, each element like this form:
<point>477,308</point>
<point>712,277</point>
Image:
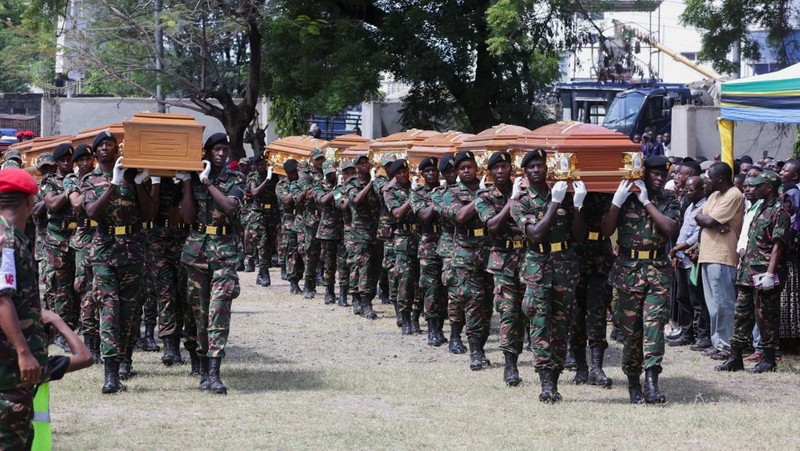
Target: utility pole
<point>159,54</point>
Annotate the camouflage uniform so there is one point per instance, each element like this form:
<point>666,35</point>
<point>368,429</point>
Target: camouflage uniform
<point>405,247</point>
<point>344,254</point>
<point>292,261</point>
<point>40,254</point>
<point>643,284</point>
<point>366,248</point>
<point>259,232</point>
<point>430,262</point>
<point>386,223</point>
<point>329,233</point>
<point>307,226</point>
<point>251,235</point>
<point>81,242</point>
<point>210,255</point>
<point>16,398</point>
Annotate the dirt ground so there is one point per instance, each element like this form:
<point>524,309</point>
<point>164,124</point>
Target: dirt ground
<point>305,375</point>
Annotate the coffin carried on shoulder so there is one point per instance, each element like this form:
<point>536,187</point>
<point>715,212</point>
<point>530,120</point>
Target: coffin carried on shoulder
<point>163,143</point>
<point>296,147</point>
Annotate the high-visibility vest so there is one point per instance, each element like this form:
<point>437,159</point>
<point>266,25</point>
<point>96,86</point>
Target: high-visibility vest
<point>42,435</point>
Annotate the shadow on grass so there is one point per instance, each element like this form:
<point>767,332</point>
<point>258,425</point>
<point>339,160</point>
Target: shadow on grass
<point>254,380</point>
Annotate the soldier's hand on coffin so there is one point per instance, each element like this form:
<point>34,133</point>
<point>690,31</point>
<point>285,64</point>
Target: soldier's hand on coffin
<point>141,176</point>
<point>516,188</point>
<point>642,194</point>
<point>206,172</point>
<point>117,173</point>
<point>77,170</point>
<point>181,176</point>
<point>482,184</point>
<point>155,180</point>
<point>372,173</point>
<point>269,172</point>
<point>339,179</point>
<point>580,193</point>
<point>622,193</point>
<point>414,183</point>
<point>559,191</point>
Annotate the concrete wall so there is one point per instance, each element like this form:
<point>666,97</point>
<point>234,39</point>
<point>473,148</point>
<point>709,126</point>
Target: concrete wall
<point>695,133</point>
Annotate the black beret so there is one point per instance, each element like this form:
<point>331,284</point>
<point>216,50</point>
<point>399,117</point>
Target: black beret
<point>63,150</point>
<point>535,154</point>
<point>396,166</point>
<point>446,163</point>
<point>747,159</point>
<point>81,151</point>
<point>215,139</point>
<point>430,162</point>
<point>498,157</point>
<point>290,166</point>
<point>657,162</point>
<point>462,157</point>
<point>105,135</point>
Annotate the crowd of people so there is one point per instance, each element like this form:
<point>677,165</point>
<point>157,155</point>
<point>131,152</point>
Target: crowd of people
<point>704,256</point>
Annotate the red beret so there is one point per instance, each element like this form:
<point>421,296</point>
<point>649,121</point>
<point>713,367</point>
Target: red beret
<point>29,133</point>
<point>14,180</point>
<point>234,165</point>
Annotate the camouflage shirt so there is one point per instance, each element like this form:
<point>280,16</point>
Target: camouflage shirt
<point>595,253</point>
<point>340,201</point>
<point>83,234</point>
<point>386,220</point>
<point>420,199</point>
<point>266,201</point>
<point>395,197</point>
<point>10,164</point>
<point>364,216</point>
<point>770,224</point>
<point>308,181</point>
<point>330,221</point>
<point>636,229</point>
<point>61,222</point>
<point>502,258</point>
<point>445,248</point>
<point>282,189</point>
<point>469,240</point>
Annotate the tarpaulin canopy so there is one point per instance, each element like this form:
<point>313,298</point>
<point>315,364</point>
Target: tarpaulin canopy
<point>773,97</point>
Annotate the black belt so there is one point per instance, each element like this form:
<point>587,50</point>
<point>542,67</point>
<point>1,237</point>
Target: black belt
<point>147,225</point>
<point>429,227</point>
<point>220,230</point>
<point>167,224</point>
<point>64,225</point>
<point>406,227</point>
<point>472,233</point>
<point>105,229</point>
<point>546,248</point>
<point>641,254</point>
<point>87,223</point>
<point>509,244</point>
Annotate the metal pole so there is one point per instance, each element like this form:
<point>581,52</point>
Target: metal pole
<point>159,54</point>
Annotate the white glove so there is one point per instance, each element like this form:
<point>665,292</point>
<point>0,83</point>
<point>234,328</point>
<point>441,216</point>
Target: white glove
<point>206,172</point>
<point>623,191</point>
<point>118,173</point>
<point>558,192</point>
<point>372,173</point>
<point>269,172</point>
<point>155,180</point>
<point>482,185</point>
<point>767,281</point>
<point>77,170</point>
<point>141,176</point>
<point>414,183</point>
<point>580,193</point>
<point>181,176</point>
<point>339,179</point>
<point>642,194</point>
<point>442,183</point>
<point>458,179</point>
<point>516,188</point>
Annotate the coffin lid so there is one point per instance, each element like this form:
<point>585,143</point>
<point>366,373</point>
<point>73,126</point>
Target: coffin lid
<point>88,135</point>
<point>442,143</point>
<point>499,137</point>
<point>344,142</point>
<point>571,136</point>
<point>401,141</point>
<point>296,145</point>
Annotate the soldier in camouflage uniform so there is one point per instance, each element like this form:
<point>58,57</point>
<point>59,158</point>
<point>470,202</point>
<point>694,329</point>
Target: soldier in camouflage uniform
<point>507,252</point>
<point>12,159</point>
<point>757,280</point>
<point>344,255</point>
<point>430,281</point>
<point>329,231</point>
<point>246,218</point>
<point>60,225</point>
<point>550,220</point>
<point>261,185</point>
<point>445,246</point>
<point>592,294</point>
<point>23,340</point>
<point>211,204</point>
<point>365,208</point>
<point>46,166</point>
<point>308,222</point>
<point>119,201</point>
<point>387,283</point>
<point>642,273</point>
<point>292,263</point>
<point>80,242</point>
<point>405,246</point>
<point>471,301</point>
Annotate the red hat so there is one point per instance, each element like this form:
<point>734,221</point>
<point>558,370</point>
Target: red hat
<point>29,133</point>
<point>14,180</point>
<point>234,165</point>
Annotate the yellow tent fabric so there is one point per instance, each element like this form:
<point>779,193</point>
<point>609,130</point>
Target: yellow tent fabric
<point>726,138</point>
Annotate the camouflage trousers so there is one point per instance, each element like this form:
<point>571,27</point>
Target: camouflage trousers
<point>310,249</point>
<point>592,299</point>
<point>406,271</point>
<point>294,262</point>
<point>549,304</point>
<point>170,278</point>
<point>16,419</point>
<point>150,307</point>
<point>388,278</point>
<point>90,315</point>
<point>61,272</point>
<point>119,292</point>
<point>434,296</point>
<point>470,299</point>
<point>352,286</point>
<point>212,288</point>
<point>186,313</point>
<point>365,268</point>
<point>46,279</point>
<point>343,264</point>
<point>258,240</point>
<point>641,312</point>
<point>755,307</point>
<point>508,293</point>
<point>330,258</point>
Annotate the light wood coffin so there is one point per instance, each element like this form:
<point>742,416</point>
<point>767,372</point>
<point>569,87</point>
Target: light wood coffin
<point>398,144</point>
<point>87,136</point>
<point>297,147</point>
<point>496,139</point>
<point>592,153</point>
<point>41,146</point>
<point>163,143</point>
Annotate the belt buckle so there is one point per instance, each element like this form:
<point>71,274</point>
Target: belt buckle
<point>477,233</point>
<point>517,244</point>
<point>642,255</point>
<point>267,206</point>
<point>120,230</point>
<point>556,247</point>
<point>594,236</point>
<point>211,230</point>
<point>72,225</point>
<point>92,223</point>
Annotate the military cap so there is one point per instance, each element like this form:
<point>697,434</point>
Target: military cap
<point>430,162</point>
<point>348,163</point>
<point>44,160</point>
<point>15,180</point>
<point>290,166</point>
<point>328,167</point>
<point>11,154</point>
<point>63,150</point>
<point>358,157</point>
<point>81,151</point>
<point>105,135</point>
<point>535,154</point>
<point>396,166</point>
<point>765,177</point>
<point>388,158</point>
<point>462,157</point>
<point>498,157</point>
<point>317,153</point>
<point>446,163</point>
<point>657,162</point>
<point>216,138</point>
<point>244,160</point>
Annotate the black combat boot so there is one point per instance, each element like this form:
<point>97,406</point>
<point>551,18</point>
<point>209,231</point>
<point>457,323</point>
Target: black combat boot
<point>168,357</point>
<point>635,390</point>
<point>511,373</point>
<point>366,310</point>
<point>652,395</point>
<point>527,342</point>
<point>284,276</point>
<point>357,304</point>
<point>205,383</point>
<point>149,344</point>
<point>342,296</point>
<point>556,395</point>
<point>267,280</point>
<point>177,359</point>
<point>398,318</point>
<point>240,266</point>
<point>330,295</point>
<point>581,368</point>
<point>126,367</point>
<point>440,339</point>
<point>767,364</point>
<point>89,340</point>
<point>215,383</point>
<point>456,345</point>
<point>294,288</point>
<point>194,359</point>
<point>431,332</point>
<point>384,296</point>
<point>308,290</point>
<point>276,263</point>
<point>96,347</point>
<point>734,362</point>
<point>250,265</point>
<point>614,333</point>
<point>569,360</point>
<point>405,317</point>
<point>475,362</point>
<point>320,280</point>
<point>111,383</point>
<point>548,390</point>
<point>482,348</point>
<point>260,277</point>
<point>415,329</point>
<point>596,374</point>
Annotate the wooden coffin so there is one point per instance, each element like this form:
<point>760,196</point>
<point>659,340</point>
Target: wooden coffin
<point>163,143</point>
<point>87,136</point>
<point>498,138</point>
<point>592,153</point>
<point>41,146</point>
<point>436,146</point>
<point>357,149</point>
<point>297,147</point>
<point>398,144</point>
<point>339,145</point>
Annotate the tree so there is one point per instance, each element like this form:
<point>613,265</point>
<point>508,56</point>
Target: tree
<point>27,51</point>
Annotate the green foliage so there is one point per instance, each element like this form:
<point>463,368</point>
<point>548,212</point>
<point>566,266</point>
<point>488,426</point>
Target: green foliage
<point>28,53</point>
<point>289,116</point>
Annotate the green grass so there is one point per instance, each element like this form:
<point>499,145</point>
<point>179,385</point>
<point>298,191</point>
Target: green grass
<point>304,375</point>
